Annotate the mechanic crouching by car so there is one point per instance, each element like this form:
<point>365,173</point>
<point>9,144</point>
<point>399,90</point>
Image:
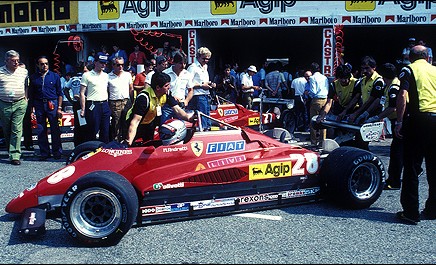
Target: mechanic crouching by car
<point>145,113</point>
<point>45,94</point>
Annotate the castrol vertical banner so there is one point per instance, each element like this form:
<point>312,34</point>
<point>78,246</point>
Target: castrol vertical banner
<point>192,45</point>
<point>327,52</point>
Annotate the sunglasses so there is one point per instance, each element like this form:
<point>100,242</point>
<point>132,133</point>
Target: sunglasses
<point>119,64</point>
<point>43,63</point>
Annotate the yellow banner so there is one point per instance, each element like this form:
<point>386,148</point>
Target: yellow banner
<point>38,13</point>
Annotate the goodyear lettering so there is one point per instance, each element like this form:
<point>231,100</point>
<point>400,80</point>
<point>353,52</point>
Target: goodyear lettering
<point>145,8</point>
<point>221,147</point>
<point>266,7</point>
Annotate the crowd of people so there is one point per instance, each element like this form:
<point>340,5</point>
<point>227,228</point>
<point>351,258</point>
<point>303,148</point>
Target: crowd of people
<point>111,101</point>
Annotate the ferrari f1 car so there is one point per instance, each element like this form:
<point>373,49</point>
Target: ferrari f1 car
<point>191,173</point>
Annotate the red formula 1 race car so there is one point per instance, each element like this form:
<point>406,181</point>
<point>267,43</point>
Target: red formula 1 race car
<point>190,173</point>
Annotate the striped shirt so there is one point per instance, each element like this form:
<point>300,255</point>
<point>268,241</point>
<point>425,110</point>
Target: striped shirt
<point>12,85</point>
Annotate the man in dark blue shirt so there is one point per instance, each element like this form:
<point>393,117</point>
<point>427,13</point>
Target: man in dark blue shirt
<point>45,95</point>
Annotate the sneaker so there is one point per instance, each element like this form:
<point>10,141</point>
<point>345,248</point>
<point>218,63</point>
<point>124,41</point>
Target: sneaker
<point>426,215</point>
<point>390,187</point>
<point>406,220</point>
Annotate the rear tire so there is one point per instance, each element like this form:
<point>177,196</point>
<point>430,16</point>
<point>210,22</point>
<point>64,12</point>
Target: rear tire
<point>354,178</point>
<point>99,208</point>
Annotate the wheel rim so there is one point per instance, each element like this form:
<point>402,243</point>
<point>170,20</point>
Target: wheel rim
<point>364,181</point>
<point>96,212</point>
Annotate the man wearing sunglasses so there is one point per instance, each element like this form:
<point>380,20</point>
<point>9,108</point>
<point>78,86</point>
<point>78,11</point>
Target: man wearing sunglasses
<point>45,94</point>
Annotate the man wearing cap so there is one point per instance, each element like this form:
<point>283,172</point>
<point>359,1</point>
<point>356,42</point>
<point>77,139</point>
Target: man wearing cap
<point>247,86</point>
<point>406,51</point>
<point>94,100</point>
<point>161,64</point>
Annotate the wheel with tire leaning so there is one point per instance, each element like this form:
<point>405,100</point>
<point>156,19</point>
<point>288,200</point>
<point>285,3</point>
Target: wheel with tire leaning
<point>353,177</point>
<point>99,208</point>
<point>83,149</point>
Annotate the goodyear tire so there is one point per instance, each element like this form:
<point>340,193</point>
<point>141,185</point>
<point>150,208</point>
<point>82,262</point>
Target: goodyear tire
<point>99,208</point>
<point>354,178</point>
<point>83,149</point>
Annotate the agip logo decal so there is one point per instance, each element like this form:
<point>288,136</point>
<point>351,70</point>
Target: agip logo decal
<point>270,170</point>
<point>223,7</point>
<point>108,10</point>
<point>197,147</point>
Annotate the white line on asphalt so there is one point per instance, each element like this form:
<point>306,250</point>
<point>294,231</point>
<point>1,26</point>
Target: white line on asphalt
<point>260,216</point>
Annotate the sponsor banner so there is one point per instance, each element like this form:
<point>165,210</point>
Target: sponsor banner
<point>86,16</point>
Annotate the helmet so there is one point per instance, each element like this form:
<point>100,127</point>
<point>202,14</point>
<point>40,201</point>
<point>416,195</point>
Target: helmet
<point>172,131</point>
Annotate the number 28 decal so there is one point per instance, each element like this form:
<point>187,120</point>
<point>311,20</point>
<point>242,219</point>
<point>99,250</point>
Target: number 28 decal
<point>312,163</point>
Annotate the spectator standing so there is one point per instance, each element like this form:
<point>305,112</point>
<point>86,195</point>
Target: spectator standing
<point>72,93</point>
<point>418,129</point>
<point>406,51</point>
<point>181,85</point>
<point>93,100</point>
<point>248,87</point>
<point>144,116</point>
<point>202,85</point>
<point>13,103</point>
<point>46,96</point>
<point>318,90</point>
<point>139,83</point>
<point>120,87</point>
<point>165,50</point>
<point>137,57</point>
<point>118,53</point>
<point>274,80</point>
<point>299,85</point>
<point>160,65</point>
<point>226,85</point>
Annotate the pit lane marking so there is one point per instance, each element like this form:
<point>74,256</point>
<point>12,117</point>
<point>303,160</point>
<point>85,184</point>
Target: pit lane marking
<point>260,216</point>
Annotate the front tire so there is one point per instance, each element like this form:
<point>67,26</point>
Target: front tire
<point>354,178</point>
<point>83,149</point>
<point>99,208</point>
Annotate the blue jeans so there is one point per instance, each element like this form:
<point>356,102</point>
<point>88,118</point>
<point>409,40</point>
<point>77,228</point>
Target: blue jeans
<point>201,103</point>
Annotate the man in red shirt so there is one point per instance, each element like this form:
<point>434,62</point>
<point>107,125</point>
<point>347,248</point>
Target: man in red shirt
<point>137,57</point>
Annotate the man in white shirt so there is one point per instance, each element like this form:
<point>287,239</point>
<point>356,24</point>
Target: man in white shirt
<point>318,90</point>
<point>202,85</point>
<point>120,89</point>
<point>93,100</point>
<point>247,87</point>
<point>181,86</point>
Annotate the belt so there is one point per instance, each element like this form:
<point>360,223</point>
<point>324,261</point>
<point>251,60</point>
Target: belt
<point>96,102</point>
<point>13,100</point>
<point>46,99</point>
<point>118,100</point>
